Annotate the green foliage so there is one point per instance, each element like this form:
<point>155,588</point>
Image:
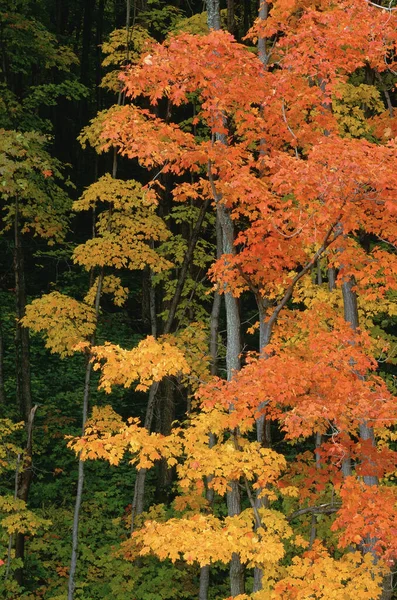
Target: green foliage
<point>160,17</point>
<point>29,186</point>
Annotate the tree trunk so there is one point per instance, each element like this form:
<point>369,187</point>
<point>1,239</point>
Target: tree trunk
<point>23,378</point>
<point>230,16</point>
<point>213,14</point>
<point>233,342</point>
<point>3,398</point>
<point>366,432</point>
<point>89,7</point>
<point>166,407</point>
<point>80,477</point>
<point>24,480</point>
<point>214,331</point>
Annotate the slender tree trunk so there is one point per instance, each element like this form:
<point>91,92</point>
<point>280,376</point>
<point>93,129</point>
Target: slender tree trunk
<point>3,398</point>
<point>23,380</point>
<point>233,343</point>
<point>24,480</point>
<point>230,16</point>
<point>263,433</point>
<point>98,57</point>
<point>233,348</point>
<point>262,52</point>
<point>366,432</point>
<point>89,7</point>
<point>11,537</point>
<point>214,332</point>
<point>80,476</point>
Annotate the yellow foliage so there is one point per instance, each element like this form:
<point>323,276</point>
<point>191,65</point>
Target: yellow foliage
<point>19,519</point>
<point>206,539</point>
<point>107,437</point>
<point>125,230</point>
<point>8,450</point>
<point>120,195</point>
<point>150,361</point>
<point>193,342</point>
<point>318,576</point>
<point>349,108</point>
<point>224,463</point>
<point>121,47</point>
<point>64,321</point>
<point>110,285</point>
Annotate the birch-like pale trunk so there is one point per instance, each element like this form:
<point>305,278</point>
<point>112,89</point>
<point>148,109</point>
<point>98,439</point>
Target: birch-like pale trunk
<point>80,475</point>
<point>233,343</point>
<point>350,310</point>
<point>366,432</point>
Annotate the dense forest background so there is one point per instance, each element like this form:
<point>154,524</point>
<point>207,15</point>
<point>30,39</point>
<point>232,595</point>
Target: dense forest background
<point>59,69</point>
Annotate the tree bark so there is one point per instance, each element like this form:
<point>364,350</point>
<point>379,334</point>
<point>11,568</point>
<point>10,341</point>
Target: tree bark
<point>230,16</point>
<point>23,377</point>
<point>24,480</point>
<point>233,343</point>
<point>80,477</point>
<point>366,432</point>
<point>214,331</point>
<point>3,398</point>
<point>213,14</point>
<point>89,7</point>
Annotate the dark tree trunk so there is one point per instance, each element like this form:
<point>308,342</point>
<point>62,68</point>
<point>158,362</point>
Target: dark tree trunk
<point>230,16</point>
<point>166,407</point>
<point>24,481</point>
<point>23,379</point>
<point>3,398</point>
<point>89,8</point>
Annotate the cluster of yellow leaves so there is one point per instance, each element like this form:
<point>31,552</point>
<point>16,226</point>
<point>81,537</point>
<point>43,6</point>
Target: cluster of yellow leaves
<point>121,47</point>
<point>107,437</point>
<point>318,576</point>
<point>119,194</point>
<point>350,105</point>
<point>123,232</point>
<point>315,296</point>
<point>224,463</point>
<point>206,539</point>
<point>149,361</point>
<point>19,519</point>
<point>8,450</point>
<point>65,321</point>
<point>110,285</point>
<point>193,342</point>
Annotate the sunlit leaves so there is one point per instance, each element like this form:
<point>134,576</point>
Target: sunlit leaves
<point>124,230</point>
<point>318,575</point>
<point>64,321</point>
<point>150,361</point>
<point>205,539</point>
